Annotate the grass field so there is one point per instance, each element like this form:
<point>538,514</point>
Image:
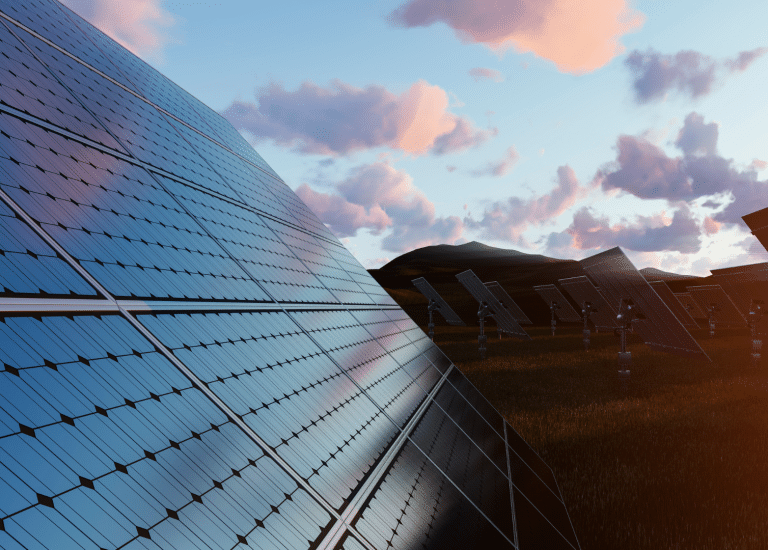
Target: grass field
<point>678,459</point>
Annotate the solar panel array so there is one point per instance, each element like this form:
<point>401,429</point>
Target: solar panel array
<point>682,314</point>
<point>190,359</point>
<point>482,294</point>
<point>660,329</point>
<point>442,306</point>
<point>507,301</point>
<point>713,296</point>
<point>582,290</point>
<point>564,310</point>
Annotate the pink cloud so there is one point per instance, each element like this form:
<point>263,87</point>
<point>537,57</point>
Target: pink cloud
<point>687,72</point>
<point>711,226</point>
<point>481,73</point>
<point>579,36</point>
<point>646,171</point>
<point>376,197</point>
<point>501,167</point>
<point>140,26</point>
<point>342,119</point>
<point>507,220</point>
<point>758,165</point>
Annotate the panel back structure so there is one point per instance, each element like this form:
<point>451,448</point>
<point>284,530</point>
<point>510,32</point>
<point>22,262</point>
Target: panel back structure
<point>483,295</point>
<point>507,301</point>
<point>682,314</point>
<point>564,311</point>
<point>660,329</point>
<point>758,224</point>
<point>582,290</point>
<point>191,360</point>
<point>713,296</point>
<point>442,306</point>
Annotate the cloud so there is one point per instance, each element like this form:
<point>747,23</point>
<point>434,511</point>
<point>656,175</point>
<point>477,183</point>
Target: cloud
<point>758,165</point>
<point>688,72</point>
<point>376,197</point>
<point>578,36</point>
<point>140,26</point>
<point>501,167</point>
<point>342,119</point>
<point>507,220</point>
<point>646,171</point>
<point>711,226</point>
<point>481,73</point>
<point>646,234</point>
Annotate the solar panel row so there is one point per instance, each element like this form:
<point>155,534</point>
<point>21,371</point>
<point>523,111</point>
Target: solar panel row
<point>192,360</point>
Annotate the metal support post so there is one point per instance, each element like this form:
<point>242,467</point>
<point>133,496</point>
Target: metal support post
<point>711,311</point>
<point>553,306</point>
<point>586,310</point>
<point>482,339</point>
<point>432,307</point>
<point>624,318</point>
<point>755,315</point>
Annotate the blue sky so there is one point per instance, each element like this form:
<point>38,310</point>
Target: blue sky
<point>561,127</point>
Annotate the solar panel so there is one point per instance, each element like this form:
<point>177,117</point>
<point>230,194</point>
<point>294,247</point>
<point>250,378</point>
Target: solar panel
<point>690,305</point>
<point>190,359</point>
<point>744,284</point>
<point>660,329</point>
<point>673,303</point>
<point>758,223</point>
<point>582,290</point>
<point>713,298</point>
<point>480,292</point>
<point>441,306</point>
<point>564,310</point>
<point>508,302</point>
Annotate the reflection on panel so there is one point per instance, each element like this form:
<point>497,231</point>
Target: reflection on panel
<point>103,443</point>
<point>264,368</point>
<point>29,266</point>
<point>416,506</point>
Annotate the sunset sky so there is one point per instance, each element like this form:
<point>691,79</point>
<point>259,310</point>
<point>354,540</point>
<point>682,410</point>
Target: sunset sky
<point>560,127</point>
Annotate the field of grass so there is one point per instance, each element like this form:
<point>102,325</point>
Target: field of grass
<point>676,460</point>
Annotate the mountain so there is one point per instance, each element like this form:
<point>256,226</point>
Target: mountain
<point>653,274</point>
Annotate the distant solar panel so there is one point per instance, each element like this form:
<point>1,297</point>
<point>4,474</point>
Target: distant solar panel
<point>507,301</point>
<point>690,305</point>
<point>758,223</point>
<point>660,329</point>
<point>712,297</point>
<point>674,304</point>
<point>483,295</point>
<point>441,306</point>
<point>744,284</point>
<point>582,290</point>
<point>551,294</point>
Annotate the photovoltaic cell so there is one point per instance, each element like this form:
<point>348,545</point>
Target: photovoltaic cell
<point>725,313</point>
<point>480,292</point>
<point>673,303</point>
<point>442,306</point>
<point>690,305</point>
<point>660,329</point>
<point>103,442</point>
<point>508,302</point>
<point>582,290</point>
<point>252,424</point>
<point>564,311</point>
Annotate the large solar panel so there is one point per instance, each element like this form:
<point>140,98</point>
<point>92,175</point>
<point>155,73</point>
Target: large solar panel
<point>563,308</point>
<point>712,297</point>
<point>660,329</point>
<point>582,290</point>
<point>758,223</point>
<point>744,284</point>
<point>682,314</point>
<point>507,301</point>
<point>190,359</point>
<point>480,292</point>
<point>442,306</point>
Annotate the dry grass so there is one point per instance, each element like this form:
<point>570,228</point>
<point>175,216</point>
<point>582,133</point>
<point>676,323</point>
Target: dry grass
<point>676,460</point>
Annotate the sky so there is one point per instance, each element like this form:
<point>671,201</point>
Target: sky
<point>556,127</point>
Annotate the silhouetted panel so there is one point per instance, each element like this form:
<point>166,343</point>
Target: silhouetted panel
<point>563,308</point>
<point>758,223</point>
<point>673,303</point>
<point>660,329</point>
<point>582,290</point>
<point>535,530</point>
<point>713,298</point>
<point>690,305</point>
<point>508,302</point>
<point>744,284</point>
<point>442,306</point>
<point>416,506</point>
<point>480,292</point>
<point>104,442</point>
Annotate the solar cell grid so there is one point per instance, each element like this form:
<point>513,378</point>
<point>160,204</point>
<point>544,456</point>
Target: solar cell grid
<point>502,317</point>
<point>432,295</point>
<point>508,302</point>
<point>582,290</point>
<point>673,303</point>
<point>115,445</point>
<point>564,311</point>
